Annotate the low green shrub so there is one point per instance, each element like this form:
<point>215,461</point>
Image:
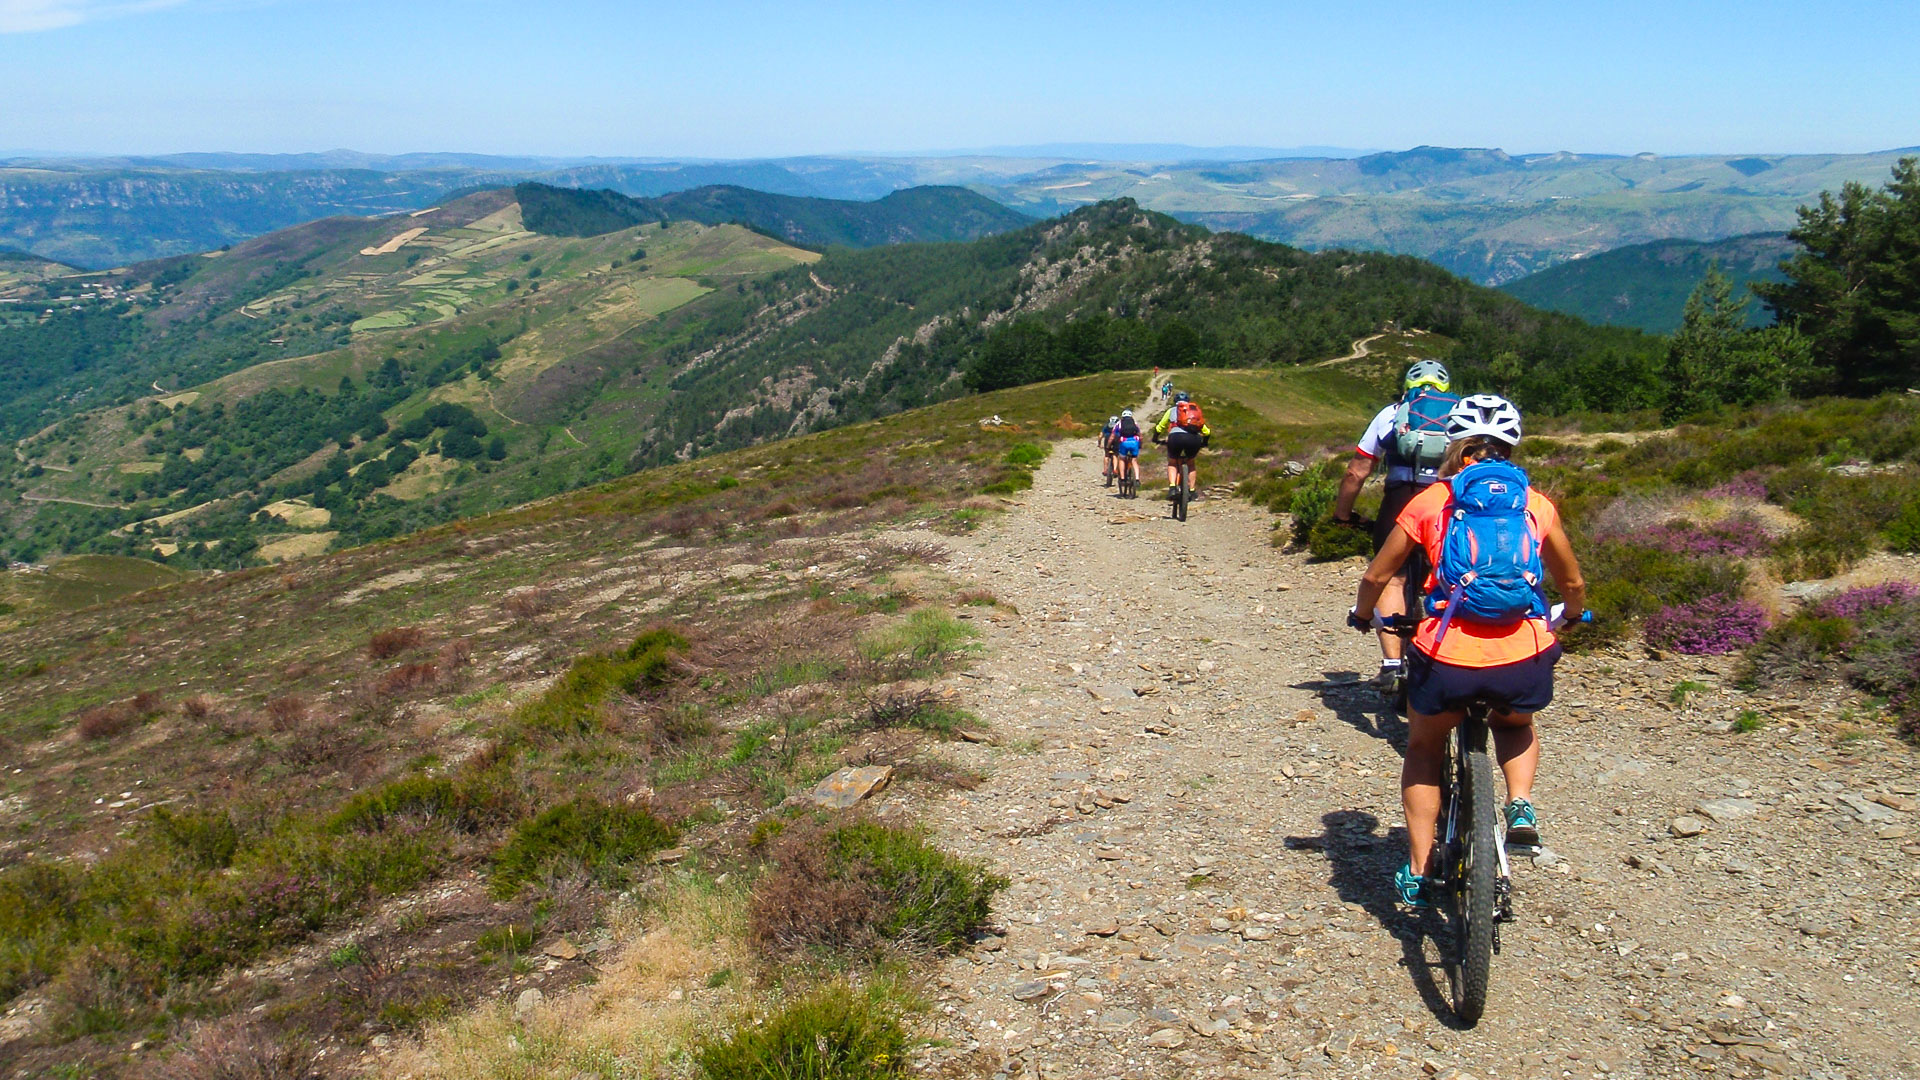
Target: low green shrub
<point>865,885</point>
<point>832,1033</point>
<point>204,839</point>
<point>1008,482</point>
<point>1903,532</point>
<point>586,832</point>
<point>922,645</point>
<point>1312,498</point>
<point>1330,540</point>
<point>1029,455</point>
<point>473,801</point>
<point>1630,583</point>
<point>572,703</point>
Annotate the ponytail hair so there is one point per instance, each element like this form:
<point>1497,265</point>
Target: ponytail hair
<point>1464,452</point>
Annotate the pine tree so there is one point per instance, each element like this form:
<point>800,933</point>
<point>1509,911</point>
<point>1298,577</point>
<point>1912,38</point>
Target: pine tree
<point>1698,350</point>
<point>1855,290</point>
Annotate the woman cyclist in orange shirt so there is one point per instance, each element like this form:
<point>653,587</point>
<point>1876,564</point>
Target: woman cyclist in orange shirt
<point>1510,664</point>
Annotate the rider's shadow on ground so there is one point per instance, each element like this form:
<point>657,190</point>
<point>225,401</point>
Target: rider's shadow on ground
<point>1360,864</point>
<point>1360,706</point>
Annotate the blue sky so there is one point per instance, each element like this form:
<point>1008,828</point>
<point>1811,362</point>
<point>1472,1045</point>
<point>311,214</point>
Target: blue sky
<point>724,78</point>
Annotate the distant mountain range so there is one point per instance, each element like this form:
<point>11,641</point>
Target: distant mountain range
<point>1646,285</point>
<point>1483,213</point>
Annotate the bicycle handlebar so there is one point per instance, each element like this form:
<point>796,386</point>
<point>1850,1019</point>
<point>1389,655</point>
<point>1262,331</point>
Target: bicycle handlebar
<point>1405,625</point>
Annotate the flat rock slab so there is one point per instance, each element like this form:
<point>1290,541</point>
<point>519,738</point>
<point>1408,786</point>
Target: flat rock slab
<point>1870,812</point>
<point>1687,825</point>
<point>1112,692</point>
<point>1032,990</point>
<point>1167,1039</point>
<point>848,786</point>
<point>1724,811</point>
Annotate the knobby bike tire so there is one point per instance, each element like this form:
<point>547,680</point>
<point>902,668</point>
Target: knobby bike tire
<point>1480,871</point>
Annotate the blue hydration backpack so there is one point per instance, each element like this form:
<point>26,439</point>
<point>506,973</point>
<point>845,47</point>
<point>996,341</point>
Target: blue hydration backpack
<point>1489,567</point>
<point>1420,436</point>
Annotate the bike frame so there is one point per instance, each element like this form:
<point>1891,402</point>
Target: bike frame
<point>1464,735</point>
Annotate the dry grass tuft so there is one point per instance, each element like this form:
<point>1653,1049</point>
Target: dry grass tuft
<point>525,605</point>
<point>387,644</point>
<point>287,712</point>
<point>457,653</point>
<point>895,708</point>
<point>687,944</point>
<point>107,721</point>
<point>232,1049</point>
<point>407,678</point>
<point>911,551</point>
<point>104,722</point>
<point>198,707</point>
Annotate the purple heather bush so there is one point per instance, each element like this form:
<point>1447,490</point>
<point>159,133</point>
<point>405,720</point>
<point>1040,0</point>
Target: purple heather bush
<point>1733,537</point>
<point>1712,626</point>
<point>1751,484</point>
<point>1861,599</point>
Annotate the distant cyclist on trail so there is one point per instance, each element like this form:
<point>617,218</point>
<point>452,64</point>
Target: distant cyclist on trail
<point>1109,447</point>
<point>1126,446</point>
<point>1486,633</point>
<point>1411,436</point>
<point>1184,430</point>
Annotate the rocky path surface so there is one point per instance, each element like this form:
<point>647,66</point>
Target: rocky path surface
<point>1199,811</point>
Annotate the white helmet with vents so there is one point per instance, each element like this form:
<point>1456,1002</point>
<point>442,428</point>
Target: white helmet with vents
<point>1485,414</point>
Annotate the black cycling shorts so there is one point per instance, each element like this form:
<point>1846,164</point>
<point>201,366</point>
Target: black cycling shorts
<point>1182,445</point>
<point>1393,500</point>
<point>1433,686</point>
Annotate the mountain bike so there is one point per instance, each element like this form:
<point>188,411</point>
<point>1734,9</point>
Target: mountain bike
<point>1471,877</point>
<point>1107,471</point>
<point>1129,477</point>
<point>1183,490</point>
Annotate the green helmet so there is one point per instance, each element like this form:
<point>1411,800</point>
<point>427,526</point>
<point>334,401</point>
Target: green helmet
<point>1429,373</point>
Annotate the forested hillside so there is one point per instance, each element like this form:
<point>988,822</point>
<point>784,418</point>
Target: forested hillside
<point>1646,285</point>
<point>861,334</point>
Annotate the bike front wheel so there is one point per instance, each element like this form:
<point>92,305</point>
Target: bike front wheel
<point>1475,903</point>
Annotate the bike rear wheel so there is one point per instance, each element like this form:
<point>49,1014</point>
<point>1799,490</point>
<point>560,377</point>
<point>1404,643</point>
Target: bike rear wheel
<point>1477,869</point>
<point>1185,494</point>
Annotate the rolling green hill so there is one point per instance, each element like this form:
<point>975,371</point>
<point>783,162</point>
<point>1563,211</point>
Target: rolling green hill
<point>1646,285</point>
<point>352,379</point>
<point>913,215</point>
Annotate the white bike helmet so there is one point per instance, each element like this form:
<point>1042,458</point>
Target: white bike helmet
<point>1429,373</point>
<point>1485,414</point>
<point>1116,419</point>
<point>1126,412</point>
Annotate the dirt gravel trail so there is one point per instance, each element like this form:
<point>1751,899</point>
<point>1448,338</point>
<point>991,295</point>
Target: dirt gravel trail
<point>1199,811</point>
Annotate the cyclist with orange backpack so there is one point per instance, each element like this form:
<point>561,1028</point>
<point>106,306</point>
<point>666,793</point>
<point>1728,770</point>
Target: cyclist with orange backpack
<point>1184,430</point>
